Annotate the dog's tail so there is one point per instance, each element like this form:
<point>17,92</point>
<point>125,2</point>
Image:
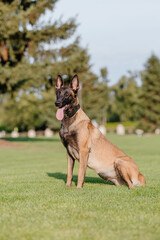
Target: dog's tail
<point>142,180</point>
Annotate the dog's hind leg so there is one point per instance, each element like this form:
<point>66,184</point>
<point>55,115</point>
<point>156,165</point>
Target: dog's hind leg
<point>121,169</point>
<point>142,179</point>
<point>70,162</point>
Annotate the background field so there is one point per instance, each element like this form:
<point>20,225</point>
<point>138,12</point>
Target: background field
<point>35,204</point>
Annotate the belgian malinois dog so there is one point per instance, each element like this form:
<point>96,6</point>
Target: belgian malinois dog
<point>88,145</point>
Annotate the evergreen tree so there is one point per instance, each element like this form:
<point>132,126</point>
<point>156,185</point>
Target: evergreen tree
<point>28,70</point>
<point>95,97</point>
<point>124,100</point>
<point>150,98</point>
<point>24,60</point>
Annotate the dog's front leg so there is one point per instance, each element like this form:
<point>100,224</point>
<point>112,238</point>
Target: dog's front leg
<point>70,163</point>
<point>82,167</point>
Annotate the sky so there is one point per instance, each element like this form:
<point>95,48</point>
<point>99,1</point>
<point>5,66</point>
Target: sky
<point>119,34</point>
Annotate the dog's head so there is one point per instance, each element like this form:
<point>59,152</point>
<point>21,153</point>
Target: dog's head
<point>66,96</point>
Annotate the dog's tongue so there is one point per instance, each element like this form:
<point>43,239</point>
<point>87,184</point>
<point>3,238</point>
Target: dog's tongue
<point>60,113</point>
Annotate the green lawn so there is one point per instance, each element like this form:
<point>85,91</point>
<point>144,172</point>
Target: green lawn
<point>35,204</point>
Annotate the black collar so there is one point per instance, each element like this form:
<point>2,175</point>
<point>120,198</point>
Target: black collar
<point>73,112</point>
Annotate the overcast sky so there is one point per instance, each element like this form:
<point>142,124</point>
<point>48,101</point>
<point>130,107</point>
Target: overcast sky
<point>119,34</point>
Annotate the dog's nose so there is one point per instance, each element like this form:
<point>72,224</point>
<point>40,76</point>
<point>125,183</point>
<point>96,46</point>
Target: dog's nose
<point>57,103</point>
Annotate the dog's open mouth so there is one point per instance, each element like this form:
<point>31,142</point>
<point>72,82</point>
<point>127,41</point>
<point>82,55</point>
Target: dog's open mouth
<point>60,112</point>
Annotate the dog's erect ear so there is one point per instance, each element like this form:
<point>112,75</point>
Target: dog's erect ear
<point>59,82</point>
<point>74,84</point>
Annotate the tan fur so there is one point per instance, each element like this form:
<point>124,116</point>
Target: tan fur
<point>85,143</point>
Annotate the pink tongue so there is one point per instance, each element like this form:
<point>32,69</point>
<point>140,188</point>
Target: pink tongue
<point>60,113</point>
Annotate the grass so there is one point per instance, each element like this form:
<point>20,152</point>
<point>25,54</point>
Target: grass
<point>125,124</point>
<point>35,204</point>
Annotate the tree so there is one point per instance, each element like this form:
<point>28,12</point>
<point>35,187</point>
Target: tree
<point>95,97</point>
<point>150,97</point>
<point>124,100</point>
<point>104,75</point>
<point>28,70</point>
<point>24,60</point>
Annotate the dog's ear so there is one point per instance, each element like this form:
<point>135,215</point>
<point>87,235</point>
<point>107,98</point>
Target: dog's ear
<point>59,82</point>
<point>74,84</point>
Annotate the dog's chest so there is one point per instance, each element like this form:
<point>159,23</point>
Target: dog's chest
<point>70,141</point>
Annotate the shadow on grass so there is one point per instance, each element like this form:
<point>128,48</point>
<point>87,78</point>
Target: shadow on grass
<point>63,177</point>
<point>27,139</point>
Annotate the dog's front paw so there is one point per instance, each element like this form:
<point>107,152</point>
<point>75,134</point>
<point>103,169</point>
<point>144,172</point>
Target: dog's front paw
<point>68,184</point>
<point>79,187</point>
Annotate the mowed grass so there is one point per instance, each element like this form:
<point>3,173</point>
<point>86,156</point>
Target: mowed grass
<point>35,204</point>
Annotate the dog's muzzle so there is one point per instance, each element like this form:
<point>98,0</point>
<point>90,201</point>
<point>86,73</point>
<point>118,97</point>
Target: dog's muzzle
<point>58,103</point>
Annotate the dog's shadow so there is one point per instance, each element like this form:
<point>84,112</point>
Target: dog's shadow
<point>62,176</point>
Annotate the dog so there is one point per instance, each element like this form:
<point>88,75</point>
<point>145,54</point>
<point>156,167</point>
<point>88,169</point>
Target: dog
<point>88,145</point>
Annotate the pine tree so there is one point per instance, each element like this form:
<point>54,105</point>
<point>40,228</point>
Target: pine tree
<point>95,96</point>
<point>28,70</point>
<point>24,60</point>
<point>124,100</point>
<point>150,98</point>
